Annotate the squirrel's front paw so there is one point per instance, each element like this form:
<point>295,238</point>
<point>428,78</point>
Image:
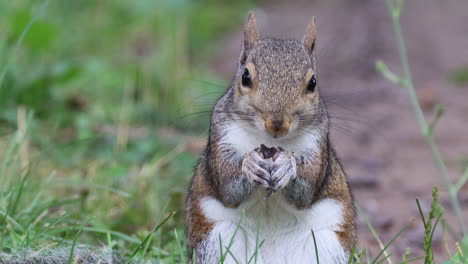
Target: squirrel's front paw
<point>284,170</point>
<point>253,167</point>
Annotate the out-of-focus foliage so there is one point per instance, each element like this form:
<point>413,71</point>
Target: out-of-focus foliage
<point>87,89</point>
<point>459,76</point>
<point>94,54</point>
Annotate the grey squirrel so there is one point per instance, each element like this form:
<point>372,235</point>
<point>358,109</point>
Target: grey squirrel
<point>251,201</point>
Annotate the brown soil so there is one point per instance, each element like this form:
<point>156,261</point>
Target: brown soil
<point>375,131</point>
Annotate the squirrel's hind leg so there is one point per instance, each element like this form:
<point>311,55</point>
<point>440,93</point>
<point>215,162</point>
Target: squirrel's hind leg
<point>225,242</point>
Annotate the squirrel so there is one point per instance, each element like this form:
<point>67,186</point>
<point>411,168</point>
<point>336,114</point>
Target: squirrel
<point>269,185</point>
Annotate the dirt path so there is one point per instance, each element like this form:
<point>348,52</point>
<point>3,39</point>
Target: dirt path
<point>375,131</point>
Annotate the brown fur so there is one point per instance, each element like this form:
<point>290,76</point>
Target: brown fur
<point>199,226</point>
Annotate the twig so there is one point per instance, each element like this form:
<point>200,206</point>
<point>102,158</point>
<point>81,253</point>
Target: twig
<point>462,180</point>
<point>395,8</point>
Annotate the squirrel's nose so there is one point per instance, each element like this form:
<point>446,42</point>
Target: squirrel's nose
<point>277,126</point>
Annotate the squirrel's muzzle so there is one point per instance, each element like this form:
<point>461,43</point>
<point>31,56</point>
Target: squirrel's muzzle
<point>277,125</point>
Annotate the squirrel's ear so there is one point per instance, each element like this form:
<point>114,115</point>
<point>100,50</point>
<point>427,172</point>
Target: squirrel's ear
<point>250,36</point>
<point>309,37</point>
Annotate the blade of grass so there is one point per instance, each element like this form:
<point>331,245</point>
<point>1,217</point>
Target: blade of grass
<point>462,181</point>
<point>232,255</point>
<point>110,243</point>
<point>15,237</point>
<point>385,258</point>
<point>14,206</point>
<point>428,247</point>
<point>56,222</point>
<point>315,245</point>
<point>351,256</point>
<point>435,225</point>
<point>257,245</point>
<point>374,233</point>
<point>145,250</point>
<point>421,213</point>
<point>179,244</point>
<point>9,219</point>
<point>220,247</point>
<point>255,255</point>
<point>12,146</point>
<point>6,214</point>
<point>34,221</point>
<point>156,228</point>
<point>38,194</point>
<point>231,241</point>
<point>72,250</point>
<point>392,240</point>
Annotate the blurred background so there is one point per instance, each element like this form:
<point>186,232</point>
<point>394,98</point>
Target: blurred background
<point>105,109</point>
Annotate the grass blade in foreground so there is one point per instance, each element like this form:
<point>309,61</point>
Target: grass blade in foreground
<point>315,245</point>
<point>143,243</point>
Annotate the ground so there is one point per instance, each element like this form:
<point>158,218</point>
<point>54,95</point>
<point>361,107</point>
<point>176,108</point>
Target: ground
<point>375,131</point>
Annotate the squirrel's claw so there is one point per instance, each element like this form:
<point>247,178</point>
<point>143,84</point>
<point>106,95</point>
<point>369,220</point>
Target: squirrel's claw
<point>283,172</point>
<point>253,167</point>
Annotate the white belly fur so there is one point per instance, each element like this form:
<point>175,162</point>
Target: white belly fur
<point>286,231</point>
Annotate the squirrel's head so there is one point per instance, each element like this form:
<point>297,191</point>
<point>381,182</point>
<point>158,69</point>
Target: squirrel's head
<point>275,85</point>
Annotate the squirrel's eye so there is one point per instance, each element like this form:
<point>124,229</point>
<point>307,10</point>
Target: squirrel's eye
<point>246,80</point>
<point>312,84</point>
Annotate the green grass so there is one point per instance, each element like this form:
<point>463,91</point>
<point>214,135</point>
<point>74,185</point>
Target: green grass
<point>86,89</point>
<point>107,201</point>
